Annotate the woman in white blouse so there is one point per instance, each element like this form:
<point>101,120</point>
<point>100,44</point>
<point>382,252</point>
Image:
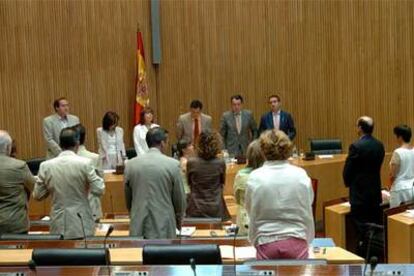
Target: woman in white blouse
<point>111,141</point>
<point>402,168</point>
<point>146,122</point>
<point>279,202</point>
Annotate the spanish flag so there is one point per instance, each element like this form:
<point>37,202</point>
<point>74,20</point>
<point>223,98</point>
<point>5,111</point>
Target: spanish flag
<point>141,98</point>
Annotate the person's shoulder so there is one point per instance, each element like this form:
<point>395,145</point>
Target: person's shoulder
<point>297,170</point>
<point>226,114</point>
<point>248,112</point>
<point>267,113</point>
<point>49,118</point>
<point>184,116</point>
<point>206,116</point>
<point>73,117</point>
<point>13,162</point>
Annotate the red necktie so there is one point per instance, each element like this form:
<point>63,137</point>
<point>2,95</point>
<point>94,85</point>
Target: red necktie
<point>196,131</point>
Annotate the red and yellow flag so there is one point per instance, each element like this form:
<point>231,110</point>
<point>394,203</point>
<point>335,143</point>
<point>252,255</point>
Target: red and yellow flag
<point>141,98</point>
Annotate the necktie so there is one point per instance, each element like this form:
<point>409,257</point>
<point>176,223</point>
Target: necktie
<point>238,122</point>
<point>196,131</point>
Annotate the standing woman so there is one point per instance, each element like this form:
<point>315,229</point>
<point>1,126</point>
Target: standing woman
<point>402,167</point>
<point>206,176</point>
<point>111,141</point>
<point>146,122</point>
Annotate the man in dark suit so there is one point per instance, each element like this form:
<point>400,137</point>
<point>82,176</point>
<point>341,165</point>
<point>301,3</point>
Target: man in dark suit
<point>362,175</point>
<point>277,119</point>
<point>237,127</point>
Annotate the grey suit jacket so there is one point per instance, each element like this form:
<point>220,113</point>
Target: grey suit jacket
<point>52,127</point>
<point>69,179</point>
<point>234,142</point>
<point>154,194</point>
<point>185,126</point>
<point>16,185</point>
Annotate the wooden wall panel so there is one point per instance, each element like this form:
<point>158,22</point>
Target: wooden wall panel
<point>331,61</point>
<point>84,50</point>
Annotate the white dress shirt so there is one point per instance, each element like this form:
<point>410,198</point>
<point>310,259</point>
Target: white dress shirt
<point>140,133</point>
<point>278,201</point>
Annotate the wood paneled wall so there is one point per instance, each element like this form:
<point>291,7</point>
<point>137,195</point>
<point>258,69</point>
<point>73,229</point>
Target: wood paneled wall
<point>331,61</point>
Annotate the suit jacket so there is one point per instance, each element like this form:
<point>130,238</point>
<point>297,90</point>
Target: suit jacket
<point>103,142</point>
<point>286,123</point>
<point>69,179</point>
<point>94,201</point>
<point>234,142</point>
<point>185,126</point>
<point>16,185</point>
<point>362,172</point>
<point>52,127</point>
<point>154,194</point>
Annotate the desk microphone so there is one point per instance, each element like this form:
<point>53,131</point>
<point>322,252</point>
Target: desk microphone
<point>236,231</point>
<point>108,233</point>
<point>373,264</point>
<point>32,265</point>
<point>371,227</point>
<point>83,228</point>
<point>193,266</point>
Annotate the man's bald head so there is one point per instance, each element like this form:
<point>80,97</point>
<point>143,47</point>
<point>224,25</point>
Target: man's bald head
<point>365,125</point>
<point>5,142</point>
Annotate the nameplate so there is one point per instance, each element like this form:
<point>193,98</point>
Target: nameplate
<point>130,273</point>
<point>96,245</point>
<point>12,246</point>
<point>17,273</point>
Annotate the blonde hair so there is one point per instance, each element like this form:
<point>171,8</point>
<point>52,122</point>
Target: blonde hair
<point>275,145</point>
<point>254,156</point>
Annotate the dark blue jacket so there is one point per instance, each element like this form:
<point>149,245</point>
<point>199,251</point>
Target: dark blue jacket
<point>286,123</point>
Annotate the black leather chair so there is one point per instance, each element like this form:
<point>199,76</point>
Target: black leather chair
<point>177,254</point>
<point>325,146</point>
<point>131,153</point>
<point>70,257</point>
<point>30,237</point>
<point>34,164</point>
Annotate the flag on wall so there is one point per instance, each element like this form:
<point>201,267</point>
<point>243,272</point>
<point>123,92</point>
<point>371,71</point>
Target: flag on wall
<point>141,98</point>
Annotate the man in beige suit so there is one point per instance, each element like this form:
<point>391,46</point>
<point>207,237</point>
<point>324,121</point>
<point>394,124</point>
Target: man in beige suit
<point>191,124</point>
<point>69,179</point>
<point>16,184</point>
<point>154,191</point>
<point>53,125</point>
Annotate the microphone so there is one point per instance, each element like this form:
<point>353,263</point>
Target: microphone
<point>108,233</point>
<point>32,265</point>
<point>371,227</point>
<point>236,231</point>
<point>193,266</point>
<point>373,264</point>
<point>83,228</point>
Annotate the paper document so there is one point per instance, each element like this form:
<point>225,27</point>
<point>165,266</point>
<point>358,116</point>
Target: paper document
<point>346,204</point>
<point>186,231</point>
<point>325,156</point>
<point>242,252</point>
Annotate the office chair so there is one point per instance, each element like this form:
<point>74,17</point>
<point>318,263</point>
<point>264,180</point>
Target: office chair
<point>69,257</point>
<point>34,164</point>
<point>325,146</point>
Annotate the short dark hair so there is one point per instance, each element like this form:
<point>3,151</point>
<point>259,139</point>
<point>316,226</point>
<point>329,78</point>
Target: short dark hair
<point>56,103</point>
<point>236,97</point>
<point>365,126</point>
<point>196,104</point>
<point>404,132</point>
<point>155,136</point>
<point>68,138</point>
<point>181,146</point>
<point>110,118</point>
<point>81,131</point>
<point>142,114</point>
<point>274,96</point>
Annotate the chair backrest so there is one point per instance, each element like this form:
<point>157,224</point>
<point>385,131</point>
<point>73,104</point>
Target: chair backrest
<point>30,237</point>
<point>315,195</point>
<point>34,164</point>
<point>68,257</point>
<point>286,262</point>
<point>175,254</point>
<point>131,153</point>
<point>325,146</point>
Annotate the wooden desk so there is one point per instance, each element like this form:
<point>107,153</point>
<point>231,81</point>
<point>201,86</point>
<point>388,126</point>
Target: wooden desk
<point>400,239</point>
<point>133,256</point>
<point>335,223</point>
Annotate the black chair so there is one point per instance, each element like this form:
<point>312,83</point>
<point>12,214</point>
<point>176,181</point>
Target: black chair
<point>325,146</point>
<point>30,237</point>
<point>131,153</point>
<point>34,164</point>
<point>177,254</point>
<point>70,257</point>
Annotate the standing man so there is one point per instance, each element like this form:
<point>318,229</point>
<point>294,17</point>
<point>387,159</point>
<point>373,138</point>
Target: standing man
<point>237,127</point>
<point>191,124</point>
<point>16,185</point>
<point>362,175</point>
<point>277,119</point>
<point>154,190</point>
<point>69,179</point>
<point>53,124</point>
